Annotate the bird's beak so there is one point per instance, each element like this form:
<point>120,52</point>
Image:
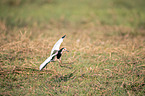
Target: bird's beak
<point>67,50</point>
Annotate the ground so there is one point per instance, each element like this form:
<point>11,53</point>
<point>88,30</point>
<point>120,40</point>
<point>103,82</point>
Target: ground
<point>105,39</point>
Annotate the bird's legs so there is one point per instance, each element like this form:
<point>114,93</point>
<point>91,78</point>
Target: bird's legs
<point>60,62</point>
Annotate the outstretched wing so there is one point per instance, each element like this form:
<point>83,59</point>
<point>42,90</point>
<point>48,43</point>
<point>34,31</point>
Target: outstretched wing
<point>46,62</point>
<point>57,45</point>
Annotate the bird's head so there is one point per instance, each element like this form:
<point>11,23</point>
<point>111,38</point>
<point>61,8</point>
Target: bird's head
<point>64,49</point>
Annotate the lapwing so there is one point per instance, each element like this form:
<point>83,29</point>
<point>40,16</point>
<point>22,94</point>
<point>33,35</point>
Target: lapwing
<point>55,54</point>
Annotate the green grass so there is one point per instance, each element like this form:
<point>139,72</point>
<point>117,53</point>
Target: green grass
<point>73,12</point>
<point>106,41</point>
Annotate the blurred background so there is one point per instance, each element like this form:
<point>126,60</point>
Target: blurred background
<point>50,14</point>
<point>54,17</point>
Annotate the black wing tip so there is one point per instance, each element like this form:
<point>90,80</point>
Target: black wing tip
<point>63,36</point>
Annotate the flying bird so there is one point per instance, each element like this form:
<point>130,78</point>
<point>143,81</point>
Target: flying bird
<point>55,54</point>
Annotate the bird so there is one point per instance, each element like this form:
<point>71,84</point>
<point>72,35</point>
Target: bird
<point>55,54</point>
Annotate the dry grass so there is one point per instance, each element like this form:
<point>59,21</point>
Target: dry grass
<point>103,64</point>
<point>107,55</point>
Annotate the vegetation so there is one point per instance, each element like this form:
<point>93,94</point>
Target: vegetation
<point>106,40</point>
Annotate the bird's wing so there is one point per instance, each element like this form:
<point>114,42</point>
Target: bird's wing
<point>46,62</point>
<point>57,44</point>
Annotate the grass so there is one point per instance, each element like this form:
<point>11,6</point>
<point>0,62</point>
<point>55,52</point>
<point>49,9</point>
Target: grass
<point>106,40</point>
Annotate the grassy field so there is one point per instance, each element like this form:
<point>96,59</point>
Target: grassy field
<point>106,40</point>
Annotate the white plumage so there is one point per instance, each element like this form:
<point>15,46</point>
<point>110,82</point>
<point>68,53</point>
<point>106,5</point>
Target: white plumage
<point>57,45</point>
<point>46,62</point>
<point>55,48</point>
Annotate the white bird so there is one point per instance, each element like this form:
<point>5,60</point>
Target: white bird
<point>55,53</point>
